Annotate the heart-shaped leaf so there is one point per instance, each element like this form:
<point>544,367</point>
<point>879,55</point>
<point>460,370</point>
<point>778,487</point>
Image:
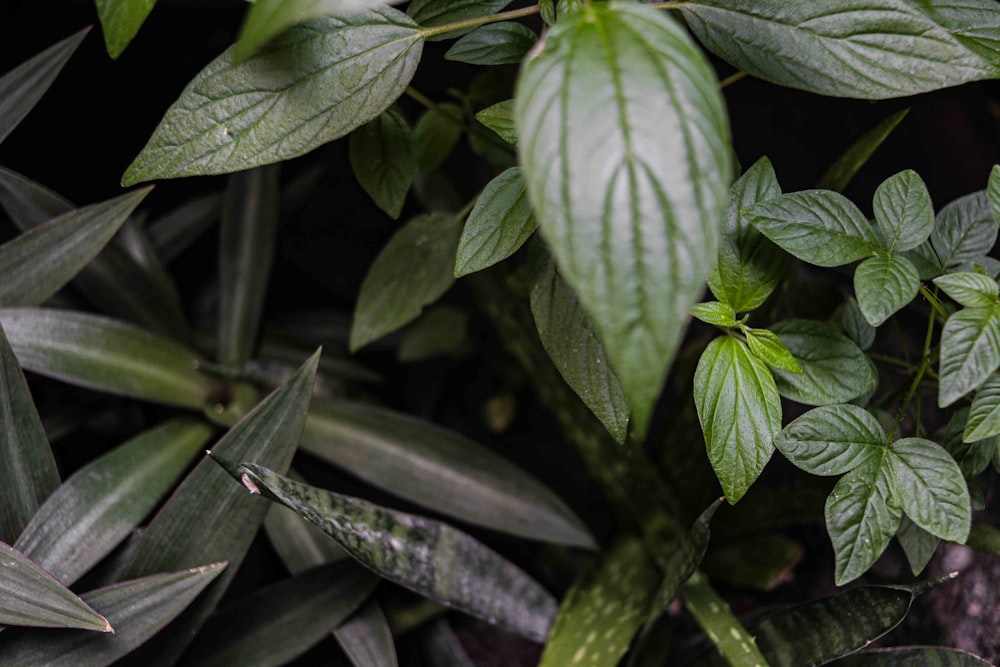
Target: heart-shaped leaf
<point>931,488</point>
<point>903,211</point>
<point>832,439</point>
<point>970,351</point>
<point>499,224</point>
<point>384,161</point>
<point>884,285</point>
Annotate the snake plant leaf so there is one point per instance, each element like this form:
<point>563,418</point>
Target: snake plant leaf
<point>235,116</point>
<point>436,134</point>
<point>568,335</point>
<point>604,609</point>
<point>970,351</point>
<point>428,557</point>
<point>739,410</point>
<point>499,224</point>
<point>431,13</point>
<point>984,415</point>
<point>749,265</point>
<point>33,597</point>
<point>23,86</point>
<point>413,270</point>
<point>903,211</point>
<point>993,192</point>
<point>862,515</point>
<point>931,488</point>
<point>277,623</point>
<point>964,230</point>
<point>36,264</point>
<point>820,227</point>
<point>972,290</point>
<point>107,355</point>
<point>734,645</point>
<point>138,608</point>
<point>208,519</point>
<point>832,439</point>
<point>918,545</point>
<point>633,226</point>
<point>499,117</point>
<point>101,503</point>
<point>884,285</point>
<point>366,637</point>
<point>843,170</point>
<point>834,369</point>
<point>384,160</point>
<point>246,252</point>
<point>504,43</point>
<point>904,656</point>
<point>843,49</point>
<point>439,469</point>
<point>175,231</point>
<point>27,466</point>
<point>121,20</point>
<point>766,346</point>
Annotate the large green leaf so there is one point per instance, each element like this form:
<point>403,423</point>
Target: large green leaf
<point>970,351</point>
<point>440,470</point>
<point>107,355</point>
<point>903,211</point>
<point>930,488</point>
<point>121,20</point>
<point>499,224</point>
<point>910,656</point>
<point>36,264</point>
<point>834,369</point>
<point>413,270</point>
<point>832,439</point>
<point>504,43</point>
<point>984,415</point>
<point>862,515</point>
<point>883,285</point>
<point>818,226</point>
<point>23,86</point>
<point>235,116</point>
<point>430,13</point>
<point>27,467</point>
<point>972,290</point>
<point>384,160</point>
<point>429,557</point>
<point>739,410</point>
<point>633,223</point>
<point>139,609</point>
<point>277,623</point>
<point>843,170</point>
<point>964,230</point>
<point>749,265</point>
<point>843,48</point>
<point>33,597</point>
<point>604,609</point>
<point>96,508</point>
<point>567,333</point>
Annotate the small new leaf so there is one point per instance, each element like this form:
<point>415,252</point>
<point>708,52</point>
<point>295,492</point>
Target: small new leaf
<point>883,285</point>
<point>714,312</point>
<point>970,351</point>
<point>930,488</point>
<point>500,118</point>
<point>972,290</point>
<point>832,439</point>
<point>767,347</point>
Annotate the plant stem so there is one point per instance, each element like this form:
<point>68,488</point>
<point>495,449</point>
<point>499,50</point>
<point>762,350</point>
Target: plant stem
<point>915,384</point>
<point>884,358</point>
<point>934,301</point>
<point>667,5</point>
<point>479,20</point>
<point>430,104</point>
<point>732,78</point>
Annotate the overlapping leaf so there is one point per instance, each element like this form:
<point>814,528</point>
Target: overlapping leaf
<point>984,415</point>
<point>767,347</point>
<point>964,230</point>
<point>504,43</point>
<point>431,13</point>
<point>499,224</point>
<point>436,135</point>
<point>903,211</point>
<point>918,545</point>
<point>499,117</point>
<point>884,285</point>
<point>855,326</point>
<point>832,439</point>
<point>121,20</point>
<point>930,488</point>
<point>384,161</point>
<point>993,192</point>
<point>970,351</point>
<point>972,290</point>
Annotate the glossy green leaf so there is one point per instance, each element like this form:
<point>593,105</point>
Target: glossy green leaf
<point>174,232</point>
<point>413,269</point>
<point>277,623</point>
<point>366,637</point>
<point>739,411</point>
<point>832,439</point>
<point>714,312</point>
<point>733,643</point>
<point>834,370</point>
<point>138,609</point>
<point>970,352</point>
<point>107,355</point>
<point>884,285</point>
<point>27,467</point>
<point>428,557</point>
<point>844,168</point>
<point>567,334</point>
<point>499,224</point>
<point>862,515</point>
<point>855,326</point>
<point>766,346</point>
<point>236,116</point>
<point>749,266</point>
<point>918,545</point>
<point>208,518</point>
<point>23,86</point>
<point>761,563</point>
<point>993,192</point>
<point>384,161</point>
<point>972,290</point>
<point>96,508</point>
<point>633,225</point>
<point>500,118</point>
<point>964,229</point>
<point>817,226</point>
<point>903,211</point>
<point>840,48</point>
<point>931,488</point>
<point>909,656</point>
<point>246,252</point>
<point>504,43</point>
<point>440,470</point>
<point>33,597</point>
<point>984,415</point>
<point>604,609</point>
<point>431,13</point>
<point>121,20</point>
<point>436,135</point>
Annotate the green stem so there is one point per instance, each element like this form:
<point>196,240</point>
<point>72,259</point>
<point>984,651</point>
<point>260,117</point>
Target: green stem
<point>667,5</point>
<point>479,21</point>
<point>934,302</point>
<point>733,78</point>
<point>884,358</point>
<point>915,384</point>
<point>431,105</point>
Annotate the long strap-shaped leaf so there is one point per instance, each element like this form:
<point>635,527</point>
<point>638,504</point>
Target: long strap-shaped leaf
<point>429,557</point>
<point>735,645</point>
<point>910,656</point>
<point>139,609</point>
<point>366,637</point>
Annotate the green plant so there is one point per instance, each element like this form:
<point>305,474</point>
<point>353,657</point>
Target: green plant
<point>613,142</point>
